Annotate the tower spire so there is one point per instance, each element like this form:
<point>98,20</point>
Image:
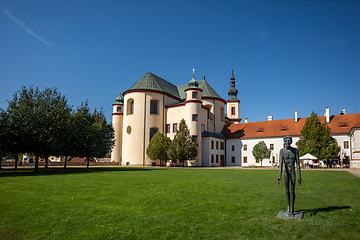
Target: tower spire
<point>232,91</point>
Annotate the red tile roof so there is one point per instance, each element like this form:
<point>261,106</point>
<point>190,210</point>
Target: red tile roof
<point>339,124</point>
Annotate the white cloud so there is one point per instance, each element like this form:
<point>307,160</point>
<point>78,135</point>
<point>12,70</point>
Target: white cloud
<point>24,27</point>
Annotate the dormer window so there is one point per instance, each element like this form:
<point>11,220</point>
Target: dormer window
<point>260,130</point>
<point>343,124</point>
<point>283,128</point>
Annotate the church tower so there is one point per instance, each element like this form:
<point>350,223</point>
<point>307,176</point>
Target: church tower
<point>117,121</point>
<point>232,104</point>
<point>193,112</point>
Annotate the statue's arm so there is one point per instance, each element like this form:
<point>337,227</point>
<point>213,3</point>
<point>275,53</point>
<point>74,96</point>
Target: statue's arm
<point>280,166</point>
<point>298,166</point>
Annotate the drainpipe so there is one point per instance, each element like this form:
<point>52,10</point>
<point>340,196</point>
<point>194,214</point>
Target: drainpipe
<point>144,131</point>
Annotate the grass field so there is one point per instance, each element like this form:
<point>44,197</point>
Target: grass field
<point>180,203</point>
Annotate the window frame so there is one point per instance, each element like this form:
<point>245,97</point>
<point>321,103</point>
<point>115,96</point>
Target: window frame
<point>154,106</point>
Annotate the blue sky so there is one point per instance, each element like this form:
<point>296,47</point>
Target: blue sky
<point>287,55</point>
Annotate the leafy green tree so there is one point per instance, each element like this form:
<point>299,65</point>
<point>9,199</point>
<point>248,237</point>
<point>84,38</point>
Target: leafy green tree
<point>4,141</point>
<point>93,136</point>
<point>261,152</point>
<point>36,121</point>
<point>158,148</point>
<point>184,147</point>
<point>316,139</point>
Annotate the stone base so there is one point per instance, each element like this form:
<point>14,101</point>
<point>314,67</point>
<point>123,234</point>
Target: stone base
<point>284,215</point>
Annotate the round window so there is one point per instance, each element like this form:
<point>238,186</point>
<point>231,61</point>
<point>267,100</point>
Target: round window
<point>128,130</point>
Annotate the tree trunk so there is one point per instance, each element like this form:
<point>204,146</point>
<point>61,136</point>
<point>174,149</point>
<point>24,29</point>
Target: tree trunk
<point>65,162</point>
<point>46,162</point>
<point>88,163</point>
<point>16,161</point>
<point>36,169</point>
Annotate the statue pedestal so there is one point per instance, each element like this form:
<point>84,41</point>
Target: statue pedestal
<point>284,215</point>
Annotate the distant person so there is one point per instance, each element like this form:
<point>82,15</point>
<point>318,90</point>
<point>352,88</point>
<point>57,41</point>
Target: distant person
<point>289,156</point>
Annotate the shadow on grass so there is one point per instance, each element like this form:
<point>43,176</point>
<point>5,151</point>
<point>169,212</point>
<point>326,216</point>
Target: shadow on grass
<point>314,211</point>
<point>69,170</point>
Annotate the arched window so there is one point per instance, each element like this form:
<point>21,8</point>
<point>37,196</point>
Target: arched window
<point>130,106</point>
<point>222,115</point>
<point>154,106</point>
<point>233,111</point>
<point>153,131</point>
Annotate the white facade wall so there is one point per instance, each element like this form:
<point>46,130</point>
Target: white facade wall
<point>229,106</point>
<point>219,115</point>
<point>136,126</point>
<point>341,139</point>
<point>212,152</point>
<point>233,149</point>
<point>117,123</point>
<point>278,143</point>
<point>355,148</point>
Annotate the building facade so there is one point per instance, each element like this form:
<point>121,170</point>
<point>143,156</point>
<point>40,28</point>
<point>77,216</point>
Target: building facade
<point>154,105</point>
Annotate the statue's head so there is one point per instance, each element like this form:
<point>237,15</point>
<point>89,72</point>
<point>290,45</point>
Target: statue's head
<point>288,141</point>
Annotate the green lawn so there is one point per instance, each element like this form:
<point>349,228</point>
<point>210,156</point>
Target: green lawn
<point>177,203</point>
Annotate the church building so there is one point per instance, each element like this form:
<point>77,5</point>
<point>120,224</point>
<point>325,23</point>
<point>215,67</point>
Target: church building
<point>154,105</point>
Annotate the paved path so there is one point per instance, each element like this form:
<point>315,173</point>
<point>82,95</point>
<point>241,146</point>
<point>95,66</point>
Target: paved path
<point>355,171</point>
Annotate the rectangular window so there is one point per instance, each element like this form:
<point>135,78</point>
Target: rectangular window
<point>217,145</point>
<point>167,128</point>
<point>232,159</point>
<point>118,109</point>
<point>212,158</point>
<point>222,146</point>
<point>271,146</point>
<point>257,161</point>
<point>194,94</point>
<point>194,117</point>
<point>174,127</point>
<point>346,144</point>
<point>273,159</point>
<point>245,159</point>
<point>217,158</point>
<point>194,138</point>
<point>222,159</point>
<point>245,147</point>
<point>153,131</point>
<point>212,144</point>
<point>232,147</point>
<point>153,107</point>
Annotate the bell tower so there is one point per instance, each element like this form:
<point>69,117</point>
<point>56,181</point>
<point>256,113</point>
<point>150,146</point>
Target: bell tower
<point>117,121</point>
<point>232,104</point>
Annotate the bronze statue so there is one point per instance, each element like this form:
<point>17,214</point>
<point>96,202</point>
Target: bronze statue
<point>289,156</point>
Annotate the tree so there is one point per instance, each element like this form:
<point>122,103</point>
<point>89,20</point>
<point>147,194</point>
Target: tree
<point>158,148</point>
<point>37,119</point>
<point>93,136</point>
<point>184,147</point>
<point>260,151</point>
<point>3,134</point>
<point>316,139</point>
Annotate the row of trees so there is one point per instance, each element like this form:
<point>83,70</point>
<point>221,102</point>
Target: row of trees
<point>181,149</point>
<point>42,123</point>
<point>315,139</point>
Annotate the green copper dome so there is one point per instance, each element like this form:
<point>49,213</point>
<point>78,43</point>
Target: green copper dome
<point>193,83</point>
<point>119,99</point>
